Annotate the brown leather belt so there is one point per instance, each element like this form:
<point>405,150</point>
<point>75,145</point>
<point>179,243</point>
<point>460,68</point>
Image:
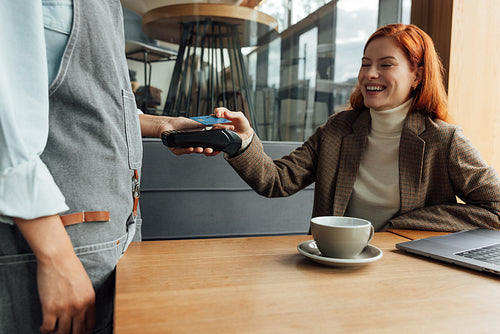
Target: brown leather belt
<point>85,216</point>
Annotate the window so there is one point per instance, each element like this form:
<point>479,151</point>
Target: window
<point>309,71</point>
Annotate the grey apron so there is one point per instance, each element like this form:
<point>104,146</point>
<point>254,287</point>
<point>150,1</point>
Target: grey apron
<point>93,148</point>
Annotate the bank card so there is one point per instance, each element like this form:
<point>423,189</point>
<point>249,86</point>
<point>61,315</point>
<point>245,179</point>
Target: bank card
<point>210,120</point>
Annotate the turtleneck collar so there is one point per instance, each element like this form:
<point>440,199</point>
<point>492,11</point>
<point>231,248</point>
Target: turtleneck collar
<point>390,121</point>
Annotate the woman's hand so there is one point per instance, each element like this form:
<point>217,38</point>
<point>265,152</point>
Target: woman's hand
<point>239,123</point>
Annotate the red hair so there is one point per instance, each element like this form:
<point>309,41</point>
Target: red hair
<point>430,95</point>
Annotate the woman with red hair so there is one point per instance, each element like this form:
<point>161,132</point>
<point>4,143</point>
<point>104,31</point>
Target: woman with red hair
<point>417,46</point>
<point>392,158</point>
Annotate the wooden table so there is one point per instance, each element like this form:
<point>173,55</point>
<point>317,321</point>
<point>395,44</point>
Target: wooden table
<point>263,285</point>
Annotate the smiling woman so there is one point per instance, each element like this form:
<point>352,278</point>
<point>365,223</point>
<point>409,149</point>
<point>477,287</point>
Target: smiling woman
<point>386,78</point>
<point>412,51</point>
<point>391,158</point>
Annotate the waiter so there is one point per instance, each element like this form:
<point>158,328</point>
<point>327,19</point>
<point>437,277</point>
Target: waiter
<point>70,158</point>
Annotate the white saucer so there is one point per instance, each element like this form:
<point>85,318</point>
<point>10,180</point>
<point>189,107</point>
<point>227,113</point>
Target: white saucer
<point>310,250</point>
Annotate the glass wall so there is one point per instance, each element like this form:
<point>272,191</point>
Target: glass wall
<point>309,71</point>
<point>297,78</point>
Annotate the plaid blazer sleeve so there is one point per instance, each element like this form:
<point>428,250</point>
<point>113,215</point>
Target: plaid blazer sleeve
<point>275,178</point>
<point>453,168</point>
<point>317,160</point>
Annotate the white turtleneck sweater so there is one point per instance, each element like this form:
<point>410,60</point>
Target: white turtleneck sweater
<point>375,195</point>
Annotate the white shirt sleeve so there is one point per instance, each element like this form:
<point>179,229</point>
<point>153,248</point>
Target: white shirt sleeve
<point>27,189</point>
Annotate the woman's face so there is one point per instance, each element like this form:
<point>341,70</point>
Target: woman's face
<point>386,77</point>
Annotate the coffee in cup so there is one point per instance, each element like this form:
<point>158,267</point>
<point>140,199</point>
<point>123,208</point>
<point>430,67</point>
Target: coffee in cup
<point>341,237</point>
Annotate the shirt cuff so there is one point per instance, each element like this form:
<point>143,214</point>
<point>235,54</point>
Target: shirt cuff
<point>244,144</point>
<point>29,191</point>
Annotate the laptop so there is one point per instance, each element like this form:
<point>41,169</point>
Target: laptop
<point>476,249</point>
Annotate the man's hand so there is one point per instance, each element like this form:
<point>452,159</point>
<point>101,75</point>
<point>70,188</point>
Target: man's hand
<point>65,290</point>
<point>153,126</point>
<point>209,152</point>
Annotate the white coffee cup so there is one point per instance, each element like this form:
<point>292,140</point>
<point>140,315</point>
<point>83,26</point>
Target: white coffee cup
<point>341,237</point>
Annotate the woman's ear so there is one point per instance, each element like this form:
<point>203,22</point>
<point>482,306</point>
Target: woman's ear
<point>418,76</point>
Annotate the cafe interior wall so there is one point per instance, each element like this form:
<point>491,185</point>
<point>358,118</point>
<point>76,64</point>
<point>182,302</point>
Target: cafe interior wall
<point>474,86</point>
<point>466,34</point>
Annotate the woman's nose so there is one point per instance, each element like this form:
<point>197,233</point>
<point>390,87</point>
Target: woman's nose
<point>372,72</point>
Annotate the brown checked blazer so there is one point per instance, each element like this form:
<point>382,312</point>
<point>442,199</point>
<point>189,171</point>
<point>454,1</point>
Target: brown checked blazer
<point>437,164</point>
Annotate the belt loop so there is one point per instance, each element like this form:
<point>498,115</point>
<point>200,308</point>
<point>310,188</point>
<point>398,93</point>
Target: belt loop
<point>136,191</point>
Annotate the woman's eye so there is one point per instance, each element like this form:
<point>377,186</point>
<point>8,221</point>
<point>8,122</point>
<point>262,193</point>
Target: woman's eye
<point>365,65</point>
<point>386,65</point>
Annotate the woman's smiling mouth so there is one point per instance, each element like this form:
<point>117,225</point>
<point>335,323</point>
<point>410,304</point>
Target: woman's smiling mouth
<point>374,88</point>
